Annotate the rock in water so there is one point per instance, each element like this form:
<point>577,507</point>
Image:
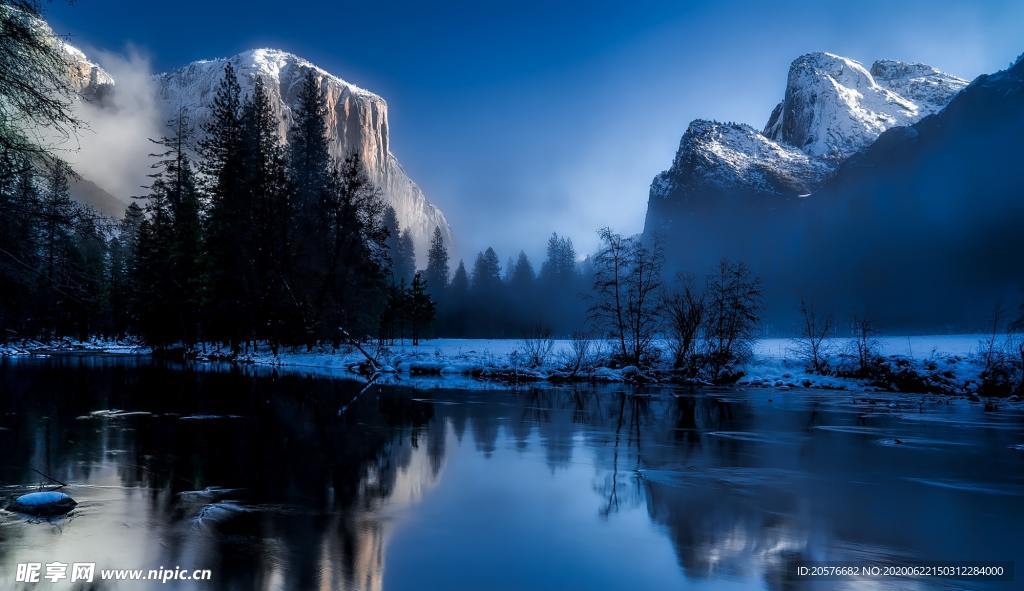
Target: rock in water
<point>43,503</point>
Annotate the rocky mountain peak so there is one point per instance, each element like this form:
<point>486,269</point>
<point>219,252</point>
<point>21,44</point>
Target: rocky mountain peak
<point>835,107</point>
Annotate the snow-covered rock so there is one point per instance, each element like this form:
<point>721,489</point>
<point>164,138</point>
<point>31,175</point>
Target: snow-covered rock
<point>929,88</point>
<point>43,503</point>
<point>736,156</point>
<point>357,121</point>
<point>835,107</point>
<point>90,80</point>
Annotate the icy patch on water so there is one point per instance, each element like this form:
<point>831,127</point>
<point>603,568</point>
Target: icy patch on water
<point>918,442</point>
<point>752,437</point>
<point>209,417</point>
<point>849,429</point>
<point>114,413</point>
<point>972,487</point>
<point>734,477</point>
<point>219,512</point>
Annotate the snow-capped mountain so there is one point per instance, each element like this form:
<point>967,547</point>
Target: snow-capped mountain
<point>357,120</point>
<point>833,108</point>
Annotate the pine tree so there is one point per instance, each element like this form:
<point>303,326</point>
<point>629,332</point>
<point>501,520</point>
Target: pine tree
<point>560,266</point>
<point>19,264</point>
<point>123,248</point>
<point>406,256</point>
<point>228,235</point>
<point>522,276</point>
<point>352,292</point>
<point>57,212</point>
<point>400,254</point>
<point>421,308</point>
<point>169,255</point>
<point>487,295</point>
<point>309,172</point>
<point>269,195</point>
<point>486,273</point>
<point>436,275</point>
<point>457,300</point>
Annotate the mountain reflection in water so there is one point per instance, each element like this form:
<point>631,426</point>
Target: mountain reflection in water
<point>296,482</point>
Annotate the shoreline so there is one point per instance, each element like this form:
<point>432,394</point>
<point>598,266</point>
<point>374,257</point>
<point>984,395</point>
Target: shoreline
<point>950,367</point>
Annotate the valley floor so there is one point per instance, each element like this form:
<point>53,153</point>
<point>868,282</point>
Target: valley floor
<point>948,364</point>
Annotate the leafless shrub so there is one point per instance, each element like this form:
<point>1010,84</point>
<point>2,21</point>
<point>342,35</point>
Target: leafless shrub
<point>1002,361</point>
<point>537,346</point>
<point>812,345</point>
<point>733,300</point>
<point>684,312</point>
<point>581,353</point>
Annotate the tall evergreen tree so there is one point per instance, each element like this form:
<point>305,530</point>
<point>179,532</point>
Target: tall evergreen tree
<point>457,300</point>
<point>123,248</point>
<point>421,308</point>
<point>169,258</point>
<point>486,273</point>
<point>522,276</point>
<point>559,267</point>
<point>399,246</point>
<point>406,257</point>
<point>19,264</point>
<point>309,171</point>
<point>270,200</point>
<point>56,241</point>
<point>487,295</point>
<point>228,237</point>
<point>436,275</point>
<point>353,288</point>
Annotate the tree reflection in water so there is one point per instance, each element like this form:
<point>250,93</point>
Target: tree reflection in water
<point>295,495</point>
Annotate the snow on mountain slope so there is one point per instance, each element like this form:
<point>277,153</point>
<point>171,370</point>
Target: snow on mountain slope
<point>929,88</point>
<point>357,121</point>
<point>834,107</point>
<point>736,156</point>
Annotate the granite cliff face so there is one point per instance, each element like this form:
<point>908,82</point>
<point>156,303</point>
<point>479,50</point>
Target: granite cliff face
<point>357,121</point>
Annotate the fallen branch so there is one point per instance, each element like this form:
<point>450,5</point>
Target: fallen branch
<point>373,360</point>
<point>48,477</point>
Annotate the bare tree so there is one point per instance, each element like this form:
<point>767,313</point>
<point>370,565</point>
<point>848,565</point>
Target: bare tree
<point>733,299</point>
<point>537,346</point>
<point>865,345</point>
<point>684,312</point>
<point>812,344</point>
<point>627,277</point>
<point>36,88</point>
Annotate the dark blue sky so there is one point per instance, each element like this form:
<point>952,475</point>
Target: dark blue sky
<point>523,118</point>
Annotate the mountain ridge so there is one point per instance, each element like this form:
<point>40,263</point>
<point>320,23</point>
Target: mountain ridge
<point>833,107</point>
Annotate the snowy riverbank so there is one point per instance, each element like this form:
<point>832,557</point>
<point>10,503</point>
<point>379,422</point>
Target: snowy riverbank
<point>949,364</point>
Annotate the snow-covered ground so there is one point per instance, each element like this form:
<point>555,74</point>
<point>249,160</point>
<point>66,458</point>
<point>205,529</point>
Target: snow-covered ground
<point>950,362</point>
<point>68,345</point>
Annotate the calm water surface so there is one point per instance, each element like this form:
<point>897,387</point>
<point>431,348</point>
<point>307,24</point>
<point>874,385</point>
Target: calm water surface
<point>294,482</point>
